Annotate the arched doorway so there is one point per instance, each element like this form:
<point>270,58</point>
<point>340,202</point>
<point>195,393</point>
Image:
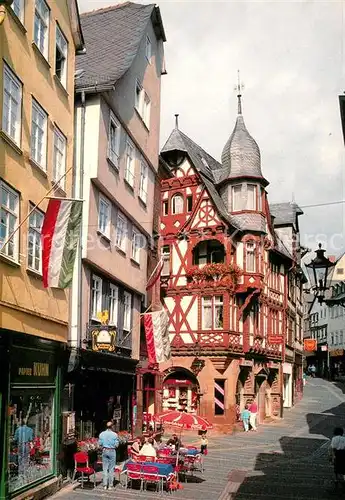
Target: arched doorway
<point>180,391</point>
<point>244,389</point>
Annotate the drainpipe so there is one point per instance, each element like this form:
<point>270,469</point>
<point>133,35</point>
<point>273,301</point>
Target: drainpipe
<point>81,194</point>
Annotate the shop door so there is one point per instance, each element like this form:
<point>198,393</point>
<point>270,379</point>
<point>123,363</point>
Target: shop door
<point>261,397</point>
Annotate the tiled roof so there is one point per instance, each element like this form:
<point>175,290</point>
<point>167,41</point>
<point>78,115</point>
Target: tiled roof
<point>241,154</point>
<point>285,213</point>
<point>202,161</point>
<point>112,38</point>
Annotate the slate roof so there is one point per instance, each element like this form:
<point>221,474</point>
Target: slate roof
<point>112,38</point>
<point>285,213</point>
<point>241,154</point>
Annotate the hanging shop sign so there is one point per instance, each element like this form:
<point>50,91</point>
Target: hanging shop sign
<point>310,345</point>
<point>336,352</point>
<point>276,339</point>
<point>103,336</point>
<point>31,366</point>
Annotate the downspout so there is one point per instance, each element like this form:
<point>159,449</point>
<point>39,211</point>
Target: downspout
<point>81,197</point>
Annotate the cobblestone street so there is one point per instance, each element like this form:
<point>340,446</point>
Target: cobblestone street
<point>282,460</point>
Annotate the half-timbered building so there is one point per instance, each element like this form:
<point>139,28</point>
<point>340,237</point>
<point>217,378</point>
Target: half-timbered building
<point>224,281</point>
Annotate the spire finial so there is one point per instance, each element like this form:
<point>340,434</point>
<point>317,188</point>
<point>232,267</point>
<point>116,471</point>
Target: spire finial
<point>239,87</point>
<point>176,120</point>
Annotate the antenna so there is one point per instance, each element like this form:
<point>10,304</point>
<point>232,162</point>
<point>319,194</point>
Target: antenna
<point>238,88</point>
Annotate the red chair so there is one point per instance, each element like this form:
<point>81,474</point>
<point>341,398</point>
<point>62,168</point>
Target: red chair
<point>150,474</point>
<point>81,465</point>
<point>134,473</point>
<point>143,458</point>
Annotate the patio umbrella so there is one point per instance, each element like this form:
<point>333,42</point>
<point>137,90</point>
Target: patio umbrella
<point>183,420</point>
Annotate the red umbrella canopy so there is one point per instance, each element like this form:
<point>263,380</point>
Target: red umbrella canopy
<point>183,420</point>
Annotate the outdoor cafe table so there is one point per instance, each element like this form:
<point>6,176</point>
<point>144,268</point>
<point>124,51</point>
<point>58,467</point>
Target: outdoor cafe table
<point>164,469</point>
<point>189,451</point>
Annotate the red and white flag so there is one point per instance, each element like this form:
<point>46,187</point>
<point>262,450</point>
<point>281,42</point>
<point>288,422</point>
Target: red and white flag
<point>155,274</point>
<point>157,336</point>
<point>60,235</point>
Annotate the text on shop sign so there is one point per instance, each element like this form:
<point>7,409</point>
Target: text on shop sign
<point>37,370</point>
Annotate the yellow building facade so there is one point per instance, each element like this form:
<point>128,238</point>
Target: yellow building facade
<point>38,44</point>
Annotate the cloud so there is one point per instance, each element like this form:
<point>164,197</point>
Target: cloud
<point>291,57</point>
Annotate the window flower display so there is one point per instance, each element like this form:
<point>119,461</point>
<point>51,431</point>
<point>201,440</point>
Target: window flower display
<point>226,275</point>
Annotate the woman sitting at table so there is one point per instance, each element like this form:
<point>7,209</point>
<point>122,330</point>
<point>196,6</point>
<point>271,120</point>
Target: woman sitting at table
<point>135,447</point>
<point>174,442</point>
<point>148,450</point>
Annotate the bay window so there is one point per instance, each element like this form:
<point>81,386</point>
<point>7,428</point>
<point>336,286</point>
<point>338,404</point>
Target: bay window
<point>251,197</point>
<point>236,198</point>
<point>212,312</point>
<point>250,257</point>
<point>177,204</point>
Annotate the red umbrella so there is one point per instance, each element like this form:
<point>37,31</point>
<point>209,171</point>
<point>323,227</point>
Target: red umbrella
<point>183,420</point>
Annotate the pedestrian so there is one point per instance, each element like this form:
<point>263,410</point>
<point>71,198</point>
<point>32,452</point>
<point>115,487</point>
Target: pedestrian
<point>23,436</point>
<point>337,450</point>
<point>313,371</point>
<point>203,444</point>
<point>253,408</point>
<point>108,441</point>
<point>245,416</point>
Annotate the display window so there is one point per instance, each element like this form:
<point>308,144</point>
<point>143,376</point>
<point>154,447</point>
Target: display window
<point>31,436</point>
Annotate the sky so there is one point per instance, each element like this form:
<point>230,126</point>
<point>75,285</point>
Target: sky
<point>291,60</point>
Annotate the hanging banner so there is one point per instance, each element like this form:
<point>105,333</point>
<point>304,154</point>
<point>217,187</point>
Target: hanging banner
<point>157,336</point>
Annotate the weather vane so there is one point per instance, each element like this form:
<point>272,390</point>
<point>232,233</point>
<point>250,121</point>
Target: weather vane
<point>238,88</point>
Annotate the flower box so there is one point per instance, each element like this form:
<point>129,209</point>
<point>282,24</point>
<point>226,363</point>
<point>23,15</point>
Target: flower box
<point>226,275</point>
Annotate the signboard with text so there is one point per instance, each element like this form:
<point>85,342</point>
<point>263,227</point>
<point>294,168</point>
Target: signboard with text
<point>31,366</point>
<point>275,339</point>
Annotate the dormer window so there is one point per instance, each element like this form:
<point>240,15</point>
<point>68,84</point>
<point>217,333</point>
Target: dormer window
<point>177,204</point>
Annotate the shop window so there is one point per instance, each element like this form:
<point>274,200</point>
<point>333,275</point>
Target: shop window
<point>219,396</point>
<point>212,313</point>
<point>208,252</point>
<point>31,436</point>
<point>177,204</point>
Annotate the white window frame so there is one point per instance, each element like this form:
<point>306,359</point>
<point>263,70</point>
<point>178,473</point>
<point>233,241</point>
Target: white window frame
<point>251,203</point>
<point>144,171</point>
<point>59,170</point>
<point>127,311</point>
<point>61,44</point>
<point>212,303</point>
<point>135,252</point>
<point>121,237</point>
<point>96,303</point>
<point>18,8</point>
<point>113,304</point>
<point>42,19</point>
<point>148,49</point>
<point>236,198</point>
<point>10,212</point>
<point>250,251</point>
<point>174,210</point>
<point>142,103</point>
<point>12,102</point>
<point>130,163</point>
<point>104,226</point>
<point>39,135</point>
<point>34,244</point>
<point>114,148</point>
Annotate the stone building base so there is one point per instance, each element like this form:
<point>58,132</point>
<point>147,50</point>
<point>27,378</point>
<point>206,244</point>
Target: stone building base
<point>42,491</point>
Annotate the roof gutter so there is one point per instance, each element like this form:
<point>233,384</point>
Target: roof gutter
<point>96,89</point>
<point>160,22</point>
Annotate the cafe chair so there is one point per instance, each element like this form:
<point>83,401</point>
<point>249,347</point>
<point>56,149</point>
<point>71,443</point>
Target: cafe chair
<point>150,474</point>
<point>134,473</point>
<point>81,466</point>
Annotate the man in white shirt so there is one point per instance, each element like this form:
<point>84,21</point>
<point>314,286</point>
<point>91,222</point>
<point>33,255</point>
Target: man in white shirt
<point>337,449</point>
<point>148,450</point>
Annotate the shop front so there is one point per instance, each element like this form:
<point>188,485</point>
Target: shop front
<point>30,413</point>
<point>180,391</point>
<point>336,363</point>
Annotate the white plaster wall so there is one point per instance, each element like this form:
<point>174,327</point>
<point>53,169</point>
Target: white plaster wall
<point>192,317</point>
<point>169,303</point>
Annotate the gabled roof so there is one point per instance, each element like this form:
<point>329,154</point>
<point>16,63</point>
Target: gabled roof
<point>285,213</point>
<point>202,161</point>
<point>112,38</point>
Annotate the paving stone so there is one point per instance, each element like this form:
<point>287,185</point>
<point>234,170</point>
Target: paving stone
<point>283,460</point>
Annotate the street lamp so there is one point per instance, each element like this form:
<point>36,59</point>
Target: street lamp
<point>320,272</point>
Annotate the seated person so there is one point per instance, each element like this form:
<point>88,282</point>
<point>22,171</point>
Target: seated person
<point>135,447</point>
<point>148,450</point>
<point>174,442</point>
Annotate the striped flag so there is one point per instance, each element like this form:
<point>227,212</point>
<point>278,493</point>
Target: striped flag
<point>155,274</point>
<point>60,235</point>
<point>157,336</point>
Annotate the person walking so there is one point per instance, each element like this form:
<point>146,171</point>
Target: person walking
<point>245,416</point>
<point>253,408</point>
<point>337,450</point>
<point>108,441</point>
